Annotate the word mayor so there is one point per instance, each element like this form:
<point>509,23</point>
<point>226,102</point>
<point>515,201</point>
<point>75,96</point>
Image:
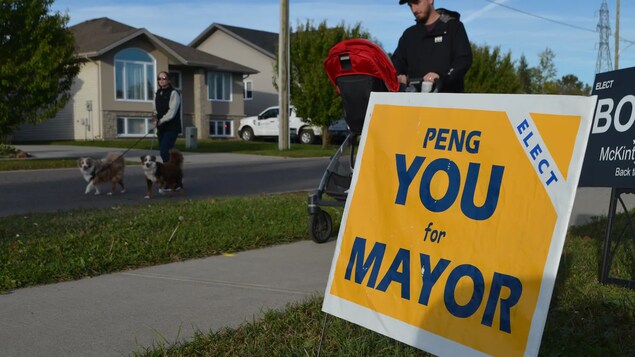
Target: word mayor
<point>504,293</point>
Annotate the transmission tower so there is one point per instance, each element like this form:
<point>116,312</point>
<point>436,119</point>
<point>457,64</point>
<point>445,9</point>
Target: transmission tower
<point>603,63</point>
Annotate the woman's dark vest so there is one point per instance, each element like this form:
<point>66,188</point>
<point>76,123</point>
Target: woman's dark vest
<point>162,105</point>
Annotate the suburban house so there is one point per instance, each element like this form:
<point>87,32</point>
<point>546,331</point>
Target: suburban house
<point>113,95</point>
<point>252,48</point>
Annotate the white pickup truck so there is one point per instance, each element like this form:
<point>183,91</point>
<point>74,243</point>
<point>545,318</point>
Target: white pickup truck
<point>266,124</point>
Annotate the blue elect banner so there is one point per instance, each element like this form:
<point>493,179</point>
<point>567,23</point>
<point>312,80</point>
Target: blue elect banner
<point>610,154</point>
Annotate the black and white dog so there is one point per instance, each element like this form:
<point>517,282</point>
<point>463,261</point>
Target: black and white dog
<point>168,176</point>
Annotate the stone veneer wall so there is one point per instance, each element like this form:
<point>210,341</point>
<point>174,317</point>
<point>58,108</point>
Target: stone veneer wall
<point>109,123</point>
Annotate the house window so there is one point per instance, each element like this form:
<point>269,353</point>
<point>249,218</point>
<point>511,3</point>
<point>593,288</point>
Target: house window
<point>133,126</point>
<point>134,75</point>
<point>220,128</point>
<point>175,78</point>
<point>248,90</point>
<point>219,86</point>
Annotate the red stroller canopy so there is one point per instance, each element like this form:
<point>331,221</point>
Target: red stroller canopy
<point>360,57</point>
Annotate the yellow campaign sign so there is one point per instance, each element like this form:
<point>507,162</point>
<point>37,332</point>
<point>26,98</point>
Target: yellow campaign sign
<point>456,217</point>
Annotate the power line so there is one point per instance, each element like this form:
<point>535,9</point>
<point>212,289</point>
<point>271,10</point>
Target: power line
<point>540,17</point>
<point>551,20</point>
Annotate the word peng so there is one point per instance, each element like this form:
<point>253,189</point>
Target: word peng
<point>535,151</point>
<point>604,118</point>
<point>454,138</point>
<point>504,290</point>
<point>406,175</point>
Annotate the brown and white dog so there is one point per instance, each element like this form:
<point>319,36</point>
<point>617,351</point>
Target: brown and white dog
<point>110,169</point>
<point>168,176</point>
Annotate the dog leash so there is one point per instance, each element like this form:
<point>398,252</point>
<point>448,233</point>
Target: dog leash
<point>127,150</point>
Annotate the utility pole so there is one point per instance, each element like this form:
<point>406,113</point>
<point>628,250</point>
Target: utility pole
<point>283,75</point>
<point>617,36</point>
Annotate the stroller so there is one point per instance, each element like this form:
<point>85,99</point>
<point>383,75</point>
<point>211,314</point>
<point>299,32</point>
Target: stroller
<point>356,68</point>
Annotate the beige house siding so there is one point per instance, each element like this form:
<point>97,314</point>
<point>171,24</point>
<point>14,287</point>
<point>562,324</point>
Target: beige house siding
<point>71,122</point>
<point>85,103</point>
<point>264,93</point>
<point>58,128</point>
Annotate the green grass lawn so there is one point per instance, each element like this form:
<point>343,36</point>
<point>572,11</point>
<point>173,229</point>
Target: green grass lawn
<point>585,318</point>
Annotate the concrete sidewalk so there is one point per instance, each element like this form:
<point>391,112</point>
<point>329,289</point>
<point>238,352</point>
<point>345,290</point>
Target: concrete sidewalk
<point>117,314</point>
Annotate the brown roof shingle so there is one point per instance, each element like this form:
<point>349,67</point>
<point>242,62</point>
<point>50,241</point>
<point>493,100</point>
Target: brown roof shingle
<point>95,37</point>
<point>266,42</point>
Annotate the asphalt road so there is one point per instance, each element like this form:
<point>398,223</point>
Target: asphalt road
<point>206,175</point>
<point>23,192</point>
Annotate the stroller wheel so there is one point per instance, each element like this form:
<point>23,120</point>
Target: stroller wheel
<point>320,226</point>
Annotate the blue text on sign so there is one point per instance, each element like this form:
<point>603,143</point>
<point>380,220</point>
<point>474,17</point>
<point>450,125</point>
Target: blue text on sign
<point>453,139</point>
<point>549,176</point>
<point>406,175</point>
<point>360,265</point>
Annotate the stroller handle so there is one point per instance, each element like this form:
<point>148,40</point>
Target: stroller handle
<point>414,85</point>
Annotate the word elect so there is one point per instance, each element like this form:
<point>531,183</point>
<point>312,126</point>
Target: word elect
<point>505,290</point>
<point>549,176</point>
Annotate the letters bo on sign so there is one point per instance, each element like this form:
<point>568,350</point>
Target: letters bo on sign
<point>456,218</point>
<point>610,154</point>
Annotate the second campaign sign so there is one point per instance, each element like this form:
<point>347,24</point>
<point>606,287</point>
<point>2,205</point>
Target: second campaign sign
<point>610,155</point>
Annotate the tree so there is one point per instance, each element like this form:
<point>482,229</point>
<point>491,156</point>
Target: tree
<point>491,72</point>
<point>545,73</point>
<point>527,76</point>
<point>571,85</point>
<point>37,63</point>
<point>312,93</point>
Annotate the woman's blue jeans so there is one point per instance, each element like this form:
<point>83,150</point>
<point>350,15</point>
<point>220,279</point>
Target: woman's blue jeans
<point>167,139</point>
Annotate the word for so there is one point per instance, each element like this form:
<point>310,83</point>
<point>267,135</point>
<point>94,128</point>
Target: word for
<point>604,115</point>
<point>535,152</point>
<point>452,139</point>
<point>435,235</point>
<point>604,85</point>
<point>407,174</point>
<point>435,277</point>
<point>617,153</point>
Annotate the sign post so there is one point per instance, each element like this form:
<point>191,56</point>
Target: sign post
<point>456,218</point>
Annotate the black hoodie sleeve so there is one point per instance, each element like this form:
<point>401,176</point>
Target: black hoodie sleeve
<point>452,81</point>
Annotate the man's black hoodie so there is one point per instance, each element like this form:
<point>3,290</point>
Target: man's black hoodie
<point>444,49</point>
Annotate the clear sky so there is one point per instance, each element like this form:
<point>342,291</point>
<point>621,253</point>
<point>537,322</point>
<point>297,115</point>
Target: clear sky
<point>567,27</point>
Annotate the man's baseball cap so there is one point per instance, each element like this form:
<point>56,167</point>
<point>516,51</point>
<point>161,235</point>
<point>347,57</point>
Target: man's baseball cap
<point>401,2</point>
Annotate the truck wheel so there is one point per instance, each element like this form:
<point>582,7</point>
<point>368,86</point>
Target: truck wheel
<point>307,136</point>
<point>247,134</point>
